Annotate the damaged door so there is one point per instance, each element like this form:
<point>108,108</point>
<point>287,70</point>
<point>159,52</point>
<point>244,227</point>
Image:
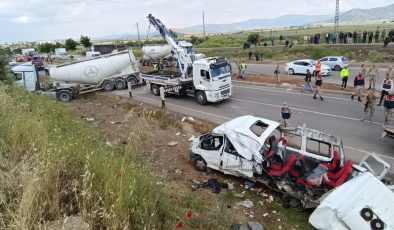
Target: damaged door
<point>211,150</point>
<point>235,164</point>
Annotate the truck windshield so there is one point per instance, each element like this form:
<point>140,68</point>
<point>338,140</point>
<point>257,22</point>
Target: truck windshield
<point>220,70</point>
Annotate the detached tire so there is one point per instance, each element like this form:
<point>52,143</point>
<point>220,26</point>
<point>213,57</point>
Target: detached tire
<point>377,224</point>
<point>64,96</point>
<point>155,90</point>
<point>291,202</point>
<point>200,164</point>
<point>366,214</point>
<point>201,98</point>
<point>120,84</point>
<point>108,86</point>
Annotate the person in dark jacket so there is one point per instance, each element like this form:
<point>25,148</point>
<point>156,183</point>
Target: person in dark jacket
<point>387,87</point>
<point>359,83</point>
<point>318,83</point>
<point>308,85</point>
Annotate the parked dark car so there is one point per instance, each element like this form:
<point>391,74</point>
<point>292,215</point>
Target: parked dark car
<point>38,61</point>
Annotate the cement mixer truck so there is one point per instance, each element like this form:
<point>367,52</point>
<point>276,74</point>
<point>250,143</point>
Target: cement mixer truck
<point>106,72</point>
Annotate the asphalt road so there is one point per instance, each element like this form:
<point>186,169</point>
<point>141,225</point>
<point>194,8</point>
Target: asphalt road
<point>333,78</point>
<point>337,115</point>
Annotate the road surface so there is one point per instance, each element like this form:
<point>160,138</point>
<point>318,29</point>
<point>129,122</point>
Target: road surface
<point>337,114</point>
<point>333,78</point>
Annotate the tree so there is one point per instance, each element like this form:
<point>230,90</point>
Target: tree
<point>254,39</point>
<point>85,41</point>
<point>175,35</point>
<point>59,45</point>
<point>17,51</point>
<point>194,40</point>
<point>46,48</point>
<point>4,53</point>
<point>71,44</point>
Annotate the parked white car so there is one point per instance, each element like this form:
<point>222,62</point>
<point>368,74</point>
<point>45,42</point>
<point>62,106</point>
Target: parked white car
<point>336,63</point>
<point>301,66</point>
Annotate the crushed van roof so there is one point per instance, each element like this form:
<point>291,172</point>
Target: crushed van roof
<point>247,143</point>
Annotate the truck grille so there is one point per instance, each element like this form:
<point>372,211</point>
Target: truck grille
<point>225,92</point>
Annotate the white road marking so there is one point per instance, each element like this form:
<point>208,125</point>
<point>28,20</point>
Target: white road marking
<point>228,118</point>
<point>279,91</point>
<point>303,110</point>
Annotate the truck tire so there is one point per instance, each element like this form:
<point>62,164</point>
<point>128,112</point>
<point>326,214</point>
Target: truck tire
<point>64,95</point>
<point>108,86</point>
<point>120,84</point>
<point>155,90</point>
<point>133,80</point>
<point>200,164</point>
<point>201,98</point>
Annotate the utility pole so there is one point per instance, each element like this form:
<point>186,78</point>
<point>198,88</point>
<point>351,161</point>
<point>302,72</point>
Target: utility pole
<point>138,32</point>
<point>336,22</point>
<point>203,24</point>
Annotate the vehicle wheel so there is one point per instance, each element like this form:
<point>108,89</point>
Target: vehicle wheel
<point>337,68</point>
<point>366,214</point>
<point>200,164</point>
<point>291,202</point>
<point>120,84</point>
<point>133,80</point>
<point>108,86</point>
<point>201,98</point>
<point>64,96</point>
<point>155,90</point>
<point>377,224</point>
<point>291,71</point>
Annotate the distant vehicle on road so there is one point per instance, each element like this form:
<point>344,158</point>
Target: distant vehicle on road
<point>38,62</point>
<point>336,63</point>
<point>301,66</point>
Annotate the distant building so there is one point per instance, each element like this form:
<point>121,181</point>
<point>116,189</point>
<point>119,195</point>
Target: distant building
<point>106,49</point>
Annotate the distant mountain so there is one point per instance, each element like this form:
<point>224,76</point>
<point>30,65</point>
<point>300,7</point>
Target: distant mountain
<point>283,21</point>
<point>362,15</point>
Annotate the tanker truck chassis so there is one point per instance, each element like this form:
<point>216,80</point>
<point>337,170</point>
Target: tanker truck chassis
<point>107,72</point>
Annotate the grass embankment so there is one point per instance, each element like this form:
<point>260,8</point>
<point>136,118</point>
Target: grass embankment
<point>53,165</point>
<point>278,53</point>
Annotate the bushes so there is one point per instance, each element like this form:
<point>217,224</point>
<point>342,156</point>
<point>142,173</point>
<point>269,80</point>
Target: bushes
<point>53,165</point>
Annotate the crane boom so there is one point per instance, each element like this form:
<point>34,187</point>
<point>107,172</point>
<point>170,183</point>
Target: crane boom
<point>183,58</point>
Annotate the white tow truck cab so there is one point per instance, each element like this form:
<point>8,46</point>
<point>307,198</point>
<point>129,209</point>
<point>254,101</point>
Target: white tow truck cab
<point>205,79</point>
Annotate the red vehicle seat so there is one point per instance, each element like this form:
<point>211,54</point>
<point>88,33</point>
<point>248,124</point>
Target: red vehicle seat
<point>286,168</point>
<point>338,178</point>
<point>332,166</point>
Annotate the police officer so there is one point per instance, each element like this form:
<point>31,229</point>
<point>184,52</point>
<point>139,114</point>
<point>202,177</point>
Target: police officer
<point>373,74</point>
<point>243,70</point>
<point>370,104</point>
<point>359,83</point>
<point>345,76</point>
<point>388,107</point>
<point>387,87</point>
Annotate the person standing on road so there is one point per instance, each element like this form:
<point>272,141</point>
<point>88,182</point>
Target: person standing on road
<point>286,113</point>
<point>363,71</point>
<point>308,84</point>
<point>359,83</point>
<point>370,104</point>
<point>318,83</point>
<point>390,73</point>
<point>373,73</point>
<point>344,76</point>
<point>277,72</point>
<point>162,96</point>
<point>318,68</point>
<point>388,108</point>
<point>250,55</point>
<point>243,70</point>
<point>386,88</point>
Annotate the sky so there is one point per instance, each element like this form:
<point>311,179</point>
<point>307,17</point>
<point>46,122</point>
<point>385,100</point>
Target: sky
<point>31,20</point>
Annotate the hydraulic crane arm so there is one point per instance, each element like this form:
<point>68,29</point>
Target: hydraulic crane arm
<point>180,53</point>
